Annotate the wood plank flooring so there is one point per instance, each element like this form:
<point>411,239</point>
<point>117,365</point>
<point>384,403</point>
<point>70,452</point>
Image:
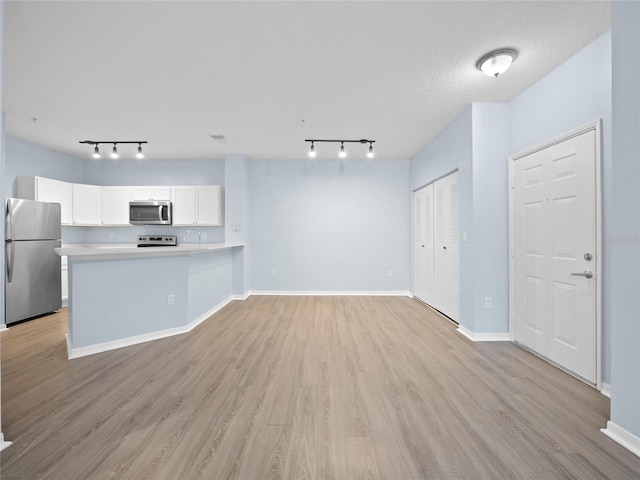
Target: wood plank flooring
<point>332,388</point>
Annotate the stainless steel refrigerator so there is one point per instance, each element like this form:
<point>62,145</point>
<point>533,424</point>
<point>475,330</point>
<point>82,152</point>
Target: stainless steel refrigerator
<point>32,268</point>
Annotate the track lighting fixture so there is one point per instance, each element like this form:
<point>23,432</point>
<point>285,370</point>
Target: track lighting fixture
<point>342,153</point>
<point>114,150</point>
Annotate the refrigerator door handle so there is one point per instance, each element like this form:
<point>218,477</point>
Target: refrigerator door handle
<point>10,258</point>
<point>9,244</point>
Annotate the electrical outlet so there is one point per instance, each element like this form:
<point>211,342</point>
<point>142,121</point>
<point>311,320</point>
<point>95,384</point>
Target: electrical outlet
<point>235,226</point>
<point>487,302</point>
<point>390,273</point>
<point>273,272</point>
<point>171,299</point>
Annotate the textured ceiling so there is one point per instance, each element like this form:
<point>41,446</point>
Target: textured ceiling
<point>267,75</point>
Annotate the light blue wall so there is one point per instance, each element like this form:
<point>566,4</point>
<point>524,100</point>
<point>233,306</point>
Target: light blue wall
<point>25,158</point>
<point>574,94</point>
<point>329,225</point>
<point>157,172</point>
<point>625,220</point>
<point>452,150</point>
<point>489,237</point>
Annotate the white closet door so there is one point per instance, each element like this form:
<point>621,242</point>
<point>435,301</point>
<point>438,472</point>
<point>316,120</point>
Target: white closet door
<point>447,246</point>
<point>437,245</point>
<point>423,287</point>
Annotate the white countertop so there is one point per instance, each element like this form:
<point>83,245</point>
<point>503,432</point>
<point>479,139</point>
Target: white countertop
<point>99,251</point>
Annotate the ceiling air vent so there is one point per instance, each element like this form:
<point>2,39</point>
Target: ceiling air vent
<point>219,138</point>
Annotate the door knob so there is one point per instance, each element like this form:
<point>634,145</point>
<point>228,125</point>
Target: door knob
<point>586,274</point>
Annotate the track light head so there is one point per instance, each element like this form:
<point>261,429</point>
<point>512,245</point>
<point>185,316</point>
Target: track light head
<point>96,152</point>
<point>139,154</point>
<point>114,151</point>
<point>312,151</point>
<point>370,152</point>
<point>342,153</point>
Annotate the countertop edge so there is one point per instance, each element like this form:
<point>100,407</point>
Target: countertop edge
<point>86,252</point>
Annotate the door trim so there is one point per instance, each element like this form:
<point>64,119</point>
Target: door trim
<point>597,127</point>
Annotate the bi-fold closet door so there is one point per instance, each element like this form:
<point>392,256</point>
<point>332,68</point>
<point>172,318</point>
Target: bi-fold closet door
<point>437,245</point>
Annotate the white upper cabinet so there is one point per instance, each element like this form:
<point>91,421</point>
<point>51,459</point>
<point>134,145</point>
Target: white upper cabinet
<point>150,193</point>
<point>209,202</point>
<point>115,205</point>
<point>48,190</point>
<point>87,204</point>
<point>109,205</point>
<point>184,206</point>
<point>197,205</point>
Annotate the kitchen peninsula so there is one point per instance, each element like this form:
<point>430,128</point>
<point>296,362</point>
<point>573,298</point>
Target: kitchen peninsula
<point>121,295</point>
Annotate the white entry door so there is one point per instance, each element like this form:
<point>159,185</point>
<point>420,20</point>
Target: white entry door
<point>554,246</point>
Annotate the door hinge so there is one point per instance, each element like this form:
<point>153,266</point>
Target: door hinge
<point>513,251</point>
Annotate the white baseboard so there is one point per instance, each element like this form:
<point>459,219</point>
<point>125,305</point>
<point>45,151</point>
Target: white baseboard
<point>606,390</point>
<point>484,337</point>
<point>3,327</point>
<point>320,293</point>
<point>621,436</point>
<point>241,297</point>
<point>77,352</point>
<point>3,443</point>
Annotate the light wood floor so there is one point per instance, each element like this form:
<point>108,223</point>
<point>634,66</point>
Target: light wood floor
<point>339,388</point>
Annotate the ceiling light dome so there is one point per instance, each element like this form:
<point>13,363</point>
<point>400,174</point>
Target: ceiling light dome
<point>497,62</point>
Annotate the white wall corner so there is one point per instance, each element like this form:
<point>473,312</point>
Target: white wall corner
<point>484,337</point>
<point>606,390</point>
<point>621,436</point>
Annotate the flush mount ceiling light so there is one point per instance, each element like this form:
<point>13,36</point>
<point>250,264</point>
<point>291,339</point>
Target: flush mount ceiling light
<point>497,62</point>
<point>342,153</point>
<point>114,150</point>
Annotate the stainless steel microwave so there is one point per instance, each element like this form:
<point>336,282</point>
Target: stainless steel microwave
<point>150,213</point>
